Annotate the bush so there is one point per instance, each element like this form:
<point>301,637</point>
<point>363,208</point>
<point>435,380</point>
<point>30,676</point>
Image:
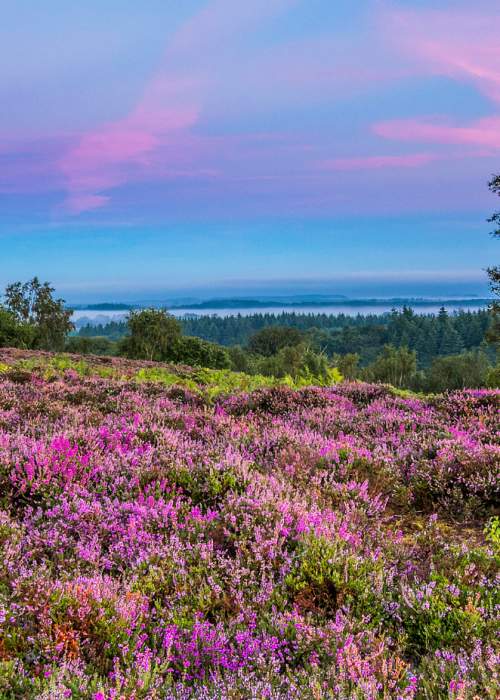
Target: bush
<point>14,334</point>
<point>198,353</point>
<point>493,378</point>
<point>82,345</point>
<point>153,332</point>
<point>396,366</point>
<point>272,339</point>
<point>299,362</point>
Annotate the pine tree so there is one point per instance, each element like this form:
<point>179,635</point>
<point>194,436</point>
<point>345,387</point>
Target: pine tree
<point>494,272</point>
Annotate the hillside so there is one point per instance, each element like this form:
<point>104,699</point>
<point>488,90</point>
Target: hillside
<point>171,533</point>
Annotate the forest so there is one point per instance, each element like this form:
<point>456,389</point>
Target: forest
<point>426,352</point>
<point>429,335</point>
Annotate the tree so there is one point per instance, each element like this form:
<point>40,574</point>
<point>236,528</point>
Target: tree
<point>85,345</point>
<point>396,366</point>
<point>152,334</point>
<point>466,370</point>
<point>33,304</point>
<point>240,359</point>
<point>296,361</point>
<point>197,352</point>
<point>449,341</point>
<point>494,272</point>
<point>12,333</point>
<point>494,185</point>
<point>348,365</point>
<point>272,339</point>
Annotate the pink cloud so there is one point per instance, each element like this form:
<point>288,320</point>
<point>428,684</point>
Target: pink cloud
<point>218,21</point>
<point>116,152</point>
<point>154,138</point>
<point>413,160</point>
<point>484,133</point>
<point>461,44</point>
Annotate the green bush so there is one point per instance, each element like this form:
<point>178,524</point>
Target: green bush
<point>82,345</point>
<point>493,378</point>
<point>327,577</point>
<point>196,352</point>
<point>13,333</point>
<point>467,370</point>
<point>152,335</point>
<point>396,366</point>
<point>492,532</point>
<point>440,615</point>
<point>271,339</point>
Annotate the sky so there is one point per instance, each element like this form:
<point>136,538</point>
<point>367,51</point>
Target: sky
<point>215,146</point>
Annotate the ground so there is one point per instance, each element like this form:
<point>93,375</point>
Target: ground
<point>175,533</point>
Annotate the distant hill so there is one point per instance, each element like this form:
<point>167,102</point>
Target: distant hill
<point>245,303</point>
<point>106,307</point>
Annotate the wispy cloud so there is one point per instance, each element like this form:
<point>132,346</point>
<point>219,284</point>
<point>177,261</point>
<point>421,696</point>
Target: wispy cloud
<point>462,45</point>
<point>483,133</point>
<point>457,43</point>
<point>113,154</point>
<point>220,21</point>
<point>129,148</point>
<point>412,160</point>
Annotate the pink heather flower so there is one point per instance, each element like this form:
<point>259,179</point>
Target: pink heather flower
<point>117,506</point>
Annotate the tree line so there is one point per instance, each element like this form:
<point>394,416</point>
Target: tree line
<point>456,349</point>
<point>422,352</point>
<point>429,335</point>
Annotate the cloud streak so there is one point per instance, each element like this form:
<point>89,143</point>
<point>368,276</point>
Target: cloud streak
<point>413,160</point>
<point>246,107</point>
<point>483,133</point>
<point>118,152</point>
<point>128,149</point>
<point>460,44</point>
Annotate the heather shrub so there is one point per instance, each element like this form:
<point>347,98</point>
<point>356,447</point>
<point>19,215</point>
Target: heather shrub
<point>438,613</point>
<point>165,377</point>
<point>328,578</point>
<point>492,532</point>
<point>461,479</point>
<point>204,486</point>
<point>170,533</point>
<point>448,674</point>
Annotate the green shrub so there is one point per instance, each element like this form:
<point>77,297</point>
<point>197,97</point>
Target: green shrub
<point>492,532</point>
<point>441,615</point>
<point>493,378</point>
<point>327,577</point>
<point>197,352</point>
<point>164,376</point>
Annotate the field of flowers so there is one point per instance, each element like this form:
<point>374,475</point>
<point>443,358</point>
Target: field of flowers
<point>171,534</point>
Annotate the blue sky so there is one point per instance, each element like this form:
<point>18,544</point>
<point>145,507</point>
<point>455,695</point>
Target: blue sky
<point>213,145</point>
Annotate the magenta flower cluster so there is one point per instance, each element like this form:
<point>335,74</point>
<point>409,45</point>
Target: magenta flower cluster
<point>318,543</point>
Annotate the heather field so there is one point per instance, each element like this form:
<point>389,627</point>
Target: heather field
<point>169,533</point>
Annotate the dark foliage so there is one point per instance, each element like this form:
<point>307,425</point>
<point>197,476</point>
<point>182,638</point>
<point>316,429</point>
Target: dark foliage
<point>33,318</point>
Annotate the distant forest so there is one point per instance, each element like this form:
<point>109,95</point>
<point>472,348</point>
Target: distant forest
<point>430,336</point>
